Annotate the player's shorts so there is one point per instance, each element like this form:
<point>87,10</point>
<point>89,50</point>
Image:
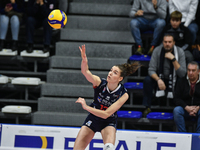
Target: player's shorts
<point>96,124</point>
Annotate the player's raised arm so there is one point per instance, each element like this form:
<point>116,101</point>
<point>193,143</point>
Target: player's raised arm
<point>95,80</point>
<point>104,113</point>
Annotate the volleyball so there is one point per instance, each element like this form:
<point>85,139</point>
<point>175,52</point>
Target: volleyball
<point>57,19</point>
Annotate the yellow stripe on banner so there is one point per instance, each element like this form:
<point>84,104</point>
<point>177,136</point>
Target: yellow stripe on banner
<point>44,142</point>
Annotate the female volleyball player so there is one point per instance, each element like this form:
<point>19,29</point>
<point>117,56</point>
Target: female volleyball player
<point>109,96</point>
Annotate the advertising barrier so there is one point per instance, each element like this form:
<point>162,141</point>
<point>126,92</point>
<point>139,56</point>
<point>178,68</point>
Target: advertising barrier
<point>14,137</point>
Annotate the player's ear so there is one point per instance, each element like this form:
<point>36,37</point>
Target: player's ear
<point>120,79</point>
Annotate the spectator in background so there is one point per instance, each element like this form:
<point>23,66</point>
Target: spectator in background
<point>37,16</point>
<point>181,34</point>
<point>11,11</point>
<point>166,65</point>
<point>187,98</point>
<point>196,52</point>
<point>64,5</point>
<point>188,8</point>
<point>168,15</point>
<point>147,15</point>
<point>196,47</point>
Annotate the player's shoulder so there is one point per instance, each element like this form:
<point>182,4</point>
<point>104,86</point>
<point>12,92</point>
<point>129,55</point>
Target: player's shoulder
<point>123,88</point>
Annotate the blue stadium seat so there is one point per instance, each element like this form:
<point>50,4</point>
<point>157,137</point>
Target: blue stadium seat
<point>140,58</point>
<point>129,114</point>
<point>133,85</point>
<point>160,115</point>
<point>145,59</point>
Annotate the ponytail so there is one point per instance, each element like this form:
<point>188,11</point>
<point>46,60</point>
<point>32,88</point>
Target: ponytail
<point>128,69</point>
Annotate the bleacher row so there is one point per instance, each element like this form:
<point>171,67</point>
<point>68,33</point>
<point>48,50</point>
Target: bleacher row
<point>103,26</point>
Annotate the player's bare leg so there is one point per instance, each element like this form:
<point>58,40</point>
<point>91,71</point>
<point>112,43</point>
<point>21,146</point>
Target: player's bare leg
<point>84,137</point>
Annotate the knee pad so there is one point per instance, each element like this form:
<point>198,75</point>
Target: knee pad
<point>109,146</point>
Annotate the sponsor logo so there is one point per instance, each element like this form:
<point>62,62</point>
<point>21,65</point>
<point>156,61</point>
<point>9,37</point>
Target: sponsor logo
<point>181,35</point>
<point>51,16</point>
<point>121,144</point>
<point>104,90</point>
<point>26,141</point>
<point>99,99</point>
<point>107,97</point>
<point>89,123</point>
<point>114,95</point>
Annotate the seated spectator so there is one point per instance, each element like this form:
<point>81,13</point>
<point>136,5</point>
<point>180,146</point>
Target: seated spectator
<point>187,98</point>
<point>188,8</point>
<point>182,34</point>
<point>147,15</point>
<point>37,16</point>
<point>11,11</point>
<point>64,5</point>
<point>166,65</point>
<point>196,52</point>
<point>168,15</point>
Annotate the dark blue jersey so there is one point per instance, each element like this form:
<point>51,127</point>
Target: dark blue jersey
<point>103,98</point>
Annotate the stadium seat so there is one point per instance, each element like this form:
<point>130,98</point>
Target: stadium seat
<point>129,114</point>
<point>3,79</point>
<point>123,115</point>
<point>140,58</point>
<point>16,111</point>
<point>160,115</point>
<point>133,85</point>
<point>35,53</point>
<point>26,81</point>
<point>144,59</point>
<point>8,52</point>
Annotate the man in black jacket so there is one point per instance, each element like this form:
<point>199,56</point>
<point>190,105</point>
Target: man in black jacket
<point>37,16</point>
<point>187,98</point>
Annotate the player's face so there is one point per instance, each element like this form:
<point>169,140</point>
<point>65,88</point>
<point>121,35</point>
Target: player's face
<point>114,75</point>
<point>175,23</point>
<point>192,72</point>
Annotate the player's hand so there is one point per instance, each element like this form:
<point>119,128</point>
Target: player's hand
<point>83,54</point>
<point>161,84</point>
<point>82,102</point>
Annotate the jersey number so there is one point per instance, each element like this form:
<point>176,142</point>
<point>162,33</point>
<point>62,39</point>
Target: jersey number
<point>103,107</point>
